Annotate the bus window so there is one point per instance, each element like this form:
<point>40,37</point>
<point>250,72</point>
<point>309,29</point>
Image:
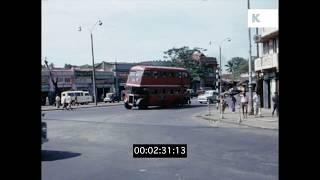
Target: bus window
<point>132,74</point>
<point>86,94</point>
<point>155,74</point>
<point>171,91</point>
<point>163,91</point>
<point>147,74</point>
<point>185,75</point>
<point>179,74</point>
<point>81,94</point>
<point>164,74</point>
<point>77,94</point>
<point>169,74</point>
<point>139,73</point>
<point>155,91</point>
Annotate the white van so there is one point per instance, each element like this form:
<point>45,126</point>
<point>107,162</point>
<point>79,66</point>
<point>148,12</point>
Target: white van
<point>83,97</point>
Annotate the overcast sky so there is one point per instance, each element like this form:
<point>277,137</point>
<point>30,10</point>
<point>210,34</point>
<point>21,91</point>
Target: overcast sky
<point>141,30</point>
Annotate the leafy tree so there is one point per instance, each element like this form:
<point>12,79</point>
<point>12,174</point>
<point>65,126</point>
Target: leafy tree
<point>237,65</point>
<point>230,68</point>
<point>51,65</point>
<point>184,57</point>
<point>67,66</point>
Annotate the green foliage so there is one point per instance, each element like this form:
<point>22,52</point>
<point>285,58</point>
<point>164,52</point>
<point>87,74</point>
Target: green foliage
<point>237,65</point>
<point>51,65</point>
<point>67,66</point>
<point>183,57</point>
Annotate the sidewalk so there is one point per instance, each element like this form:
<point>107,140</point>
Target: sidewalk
<point>90,105</point>
<point>264,122</point>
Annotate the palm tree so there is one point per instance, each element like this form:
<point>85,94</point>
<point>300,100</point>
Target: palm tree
<point>230,68</point>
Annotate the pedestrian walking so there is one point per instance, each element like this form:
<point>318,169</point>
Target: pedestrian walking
<point>57,101</point>
<point>256,105</point>
<point>275,100</point>
<point>76,100</point>
<point>64,103</point>
<point>233,104</point>
<point>47,101</point>
<point>69,102</point>
<point>223,104</point>
<point>244,104</point>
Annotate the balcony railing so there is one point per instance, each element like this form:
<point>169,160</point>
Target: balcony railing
<point>266,62</point>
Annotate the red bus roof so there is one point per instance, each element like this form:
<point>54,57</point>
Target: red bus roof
<point>142,67</point>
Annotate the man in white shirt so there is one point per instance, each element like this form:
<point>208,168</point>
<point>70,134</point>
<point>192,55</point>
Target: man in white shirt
<point>244,104</point>
<point>69,101</point>
<point>57,101</point>
<point>256,105</point>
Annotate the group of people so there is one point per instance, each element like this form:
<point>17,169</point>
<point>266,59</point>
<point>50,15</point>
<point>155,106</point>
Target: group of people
<point>244,104</point>
<point>67,102</point>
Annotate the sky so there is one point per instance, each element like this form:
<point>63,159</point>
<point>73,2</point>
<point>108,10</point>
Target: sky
<point>141,30</point>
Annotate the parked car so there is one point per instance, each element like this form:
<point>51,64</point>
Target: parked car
<point>192,93</point>
<point>210,95</point>
<point>44,137</point>
<point>111,97</point>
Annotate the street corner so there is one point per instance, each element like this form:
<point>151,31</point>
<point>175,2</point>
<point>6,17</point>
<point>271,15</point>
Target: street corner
<point>215,120</point>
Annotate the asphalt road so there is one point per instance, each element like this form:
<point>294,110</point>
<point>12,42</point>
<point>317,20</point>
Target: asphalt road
<point>96,144</point>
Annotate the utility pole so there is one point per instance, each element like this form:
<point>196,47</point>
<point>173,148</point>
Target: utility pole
<point>93,67</point>
<point>93,73</point>
<point>250,69</point>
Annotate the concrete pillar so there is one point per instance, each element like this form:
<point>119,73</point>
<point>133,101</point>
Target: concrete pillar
<point>266,98</point>
<point>273,90</point>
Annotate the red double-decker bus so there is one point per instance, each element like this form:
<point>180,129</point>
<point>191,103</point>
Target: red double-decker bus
<point>156,86</point>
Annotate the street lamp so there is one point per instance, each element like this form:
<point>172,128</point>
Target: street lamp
<point>220,85</point>
<point>93,69</point>
<point>220,71</point>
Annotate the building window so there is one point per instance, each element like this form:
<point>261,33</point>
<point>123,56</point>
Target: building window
<point>270,46</point>
<point>266,48</point>
<point>274,43</point>
<point>67,79</point>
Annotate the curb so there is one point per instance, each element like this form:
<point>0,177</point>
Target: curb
<point>79,107</point>
<point>240,124</point>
